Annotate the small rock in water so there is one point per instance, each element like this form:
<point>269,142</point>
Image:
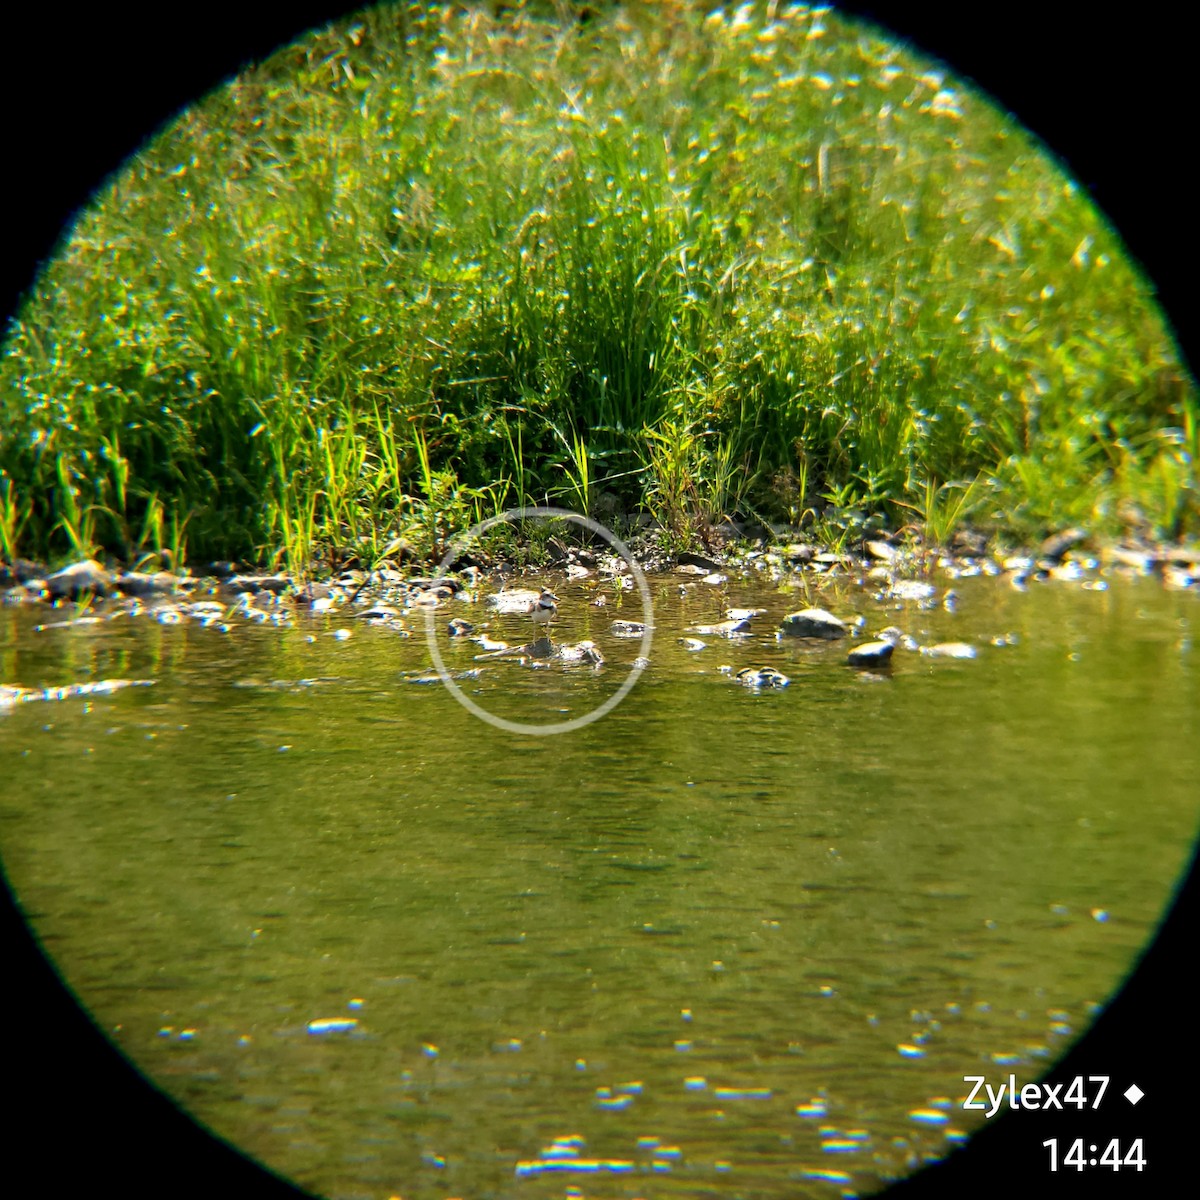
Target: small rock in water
<point>743,614</point>
<point>761,677</point>
<point>727,629</point>
<point>715,579</point>
<point>911,589</point>
<point>871,654</point>
<point>379,612</point>
<point>581,652</point>
<point>813,623</point>
<point>628,629</point>
<point>950,650</point>
<point>691,643</point>
<point>460,628</point>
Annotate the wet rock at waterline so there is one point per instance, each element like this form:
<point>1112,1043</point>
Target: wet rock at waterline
<point>813,623</point>
<point>87,578</point>
<point>761,677</point>
<point>871,654</point>
<point>1054,548</point>
<point>142,585</point>
<point>20,570</point>
<point>585,651</point>
<point>254,584</point>
<point>699,563</point>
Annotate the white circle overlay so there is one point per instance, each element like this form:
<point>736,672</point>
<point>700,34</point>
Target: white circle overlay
<point>461,543</point>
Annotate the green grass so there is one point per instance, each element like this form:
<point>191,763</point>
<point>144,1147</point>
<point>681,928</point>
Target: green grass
<point>420,268</point>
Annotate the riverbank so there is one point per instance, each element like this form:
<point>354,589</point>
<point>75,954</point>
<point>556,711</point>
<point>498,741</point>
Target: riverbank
<point>783,558</point>
<point>791,273</point>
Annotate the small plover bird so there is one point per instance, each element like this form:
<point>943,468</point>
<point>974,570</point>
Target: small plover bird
<point>544,608</point>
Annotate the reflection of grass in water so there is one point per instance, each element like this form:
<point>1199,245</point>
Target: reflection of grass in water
<point>417,269</point>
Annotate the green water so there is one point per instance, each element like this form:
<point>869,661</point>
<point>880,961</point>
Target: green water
<point>693,936</point>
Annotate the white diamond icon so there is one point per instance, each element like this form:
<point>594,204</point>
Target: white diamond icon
<point>1133,1093</point>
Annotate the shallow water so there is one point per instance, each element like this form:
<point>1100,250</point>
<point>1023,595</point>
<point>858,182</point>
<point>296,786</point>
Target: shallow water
<point>719,939</point>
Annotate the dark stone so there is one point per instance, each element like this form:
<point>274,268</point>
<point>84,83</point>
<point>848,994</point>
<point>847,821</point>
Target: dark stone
<point>871,654</point>
<point>1053,548</point>
<point>688,559</point>
<point>141,583</point>
<point>21,570</point>
<point>260,583</point>
<point>813,623</point>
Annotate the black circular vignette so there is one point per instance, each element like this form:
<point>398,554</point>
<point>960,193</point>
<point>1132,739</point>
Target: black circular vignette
<point>1110,97</point>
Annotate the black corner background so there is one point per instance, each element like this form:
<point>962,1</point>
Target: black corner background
<point>1112,97</point>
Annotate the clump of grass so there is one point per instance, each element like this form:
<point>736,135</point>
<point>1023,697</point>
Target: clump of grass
<point>438,261</point>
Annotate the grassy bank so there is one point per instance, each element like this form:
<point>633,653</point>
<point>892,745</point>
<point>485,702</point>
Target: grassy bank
<point>422,268</point>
